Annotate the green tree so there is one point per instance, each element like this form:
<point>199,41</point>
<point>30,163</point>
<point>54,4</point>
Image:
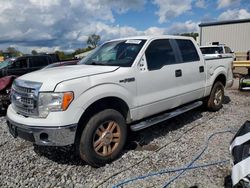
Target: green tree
<point>34,52</point>
<point>61,55</point>
<point>13,52</point>
<point>93,40</point>
<point>192,34</point>
<point>81,50</point>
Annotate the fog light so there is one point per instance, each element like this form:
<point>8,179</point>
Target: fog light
<point>44,136</point>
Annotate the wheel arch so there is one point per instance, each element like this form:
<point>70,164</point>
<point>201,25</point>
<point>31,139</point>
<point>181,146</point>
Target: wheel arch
<point>222,78</point>
<point>111,102</point>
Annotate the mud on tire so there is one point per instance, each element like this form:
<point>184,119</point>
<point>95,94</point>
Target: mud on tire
<point>215,100</point>
<point>103,138</point>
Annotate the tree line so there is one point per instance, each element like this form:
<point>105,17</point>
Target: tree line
<point>92,42</point>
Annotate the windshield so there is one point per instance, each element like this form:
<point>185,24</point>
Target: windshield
<point>212,50</point>
<point>116,53</point>
<point>5,63</point>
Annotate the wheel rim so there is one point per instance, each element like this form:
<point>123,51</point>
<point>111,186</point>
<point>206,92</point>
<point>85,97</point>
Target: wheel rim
<point>107,138</point>
<point>218,97</point>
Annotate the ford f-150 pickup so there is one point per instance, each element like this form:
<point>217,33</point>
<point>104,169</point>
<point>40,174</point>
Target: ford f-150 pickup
<point>130,83</point>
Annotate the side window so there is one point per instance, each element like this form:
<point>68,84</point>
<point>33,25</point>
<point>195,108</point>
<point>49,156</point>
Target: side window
<point>227,50</point>
<point>39,61</point>
<point>19,64</point>
<point>159,53</point>
<point>50,60</point>
<point>188,50</point>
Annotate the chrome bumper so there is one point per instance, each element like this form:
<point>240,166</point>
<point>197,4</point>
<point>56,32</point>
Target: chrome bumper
<point>46,136</point>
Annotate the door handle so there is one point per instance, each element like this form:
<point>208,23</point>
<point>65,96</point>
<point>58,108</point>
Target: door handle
<point>201,68</point>
<point>178,73</point>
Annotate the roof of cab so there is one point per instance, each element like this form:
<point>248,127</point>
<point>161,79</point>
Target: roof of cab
<point>151,37</point>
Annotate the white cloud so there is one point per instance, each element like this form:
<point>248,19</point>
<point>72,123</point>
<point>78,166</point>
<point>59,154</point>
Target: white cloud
<point>64,23</point>
<point>45,3</point>
<point>171,8</point>
<point>48,25</point>
<point>186,27</point>
<point>227,3</point>
<point>108,31</point>
<point>155,31</point>
<point>200,3</point>
<point>46,49</point>
<point>234,14</point>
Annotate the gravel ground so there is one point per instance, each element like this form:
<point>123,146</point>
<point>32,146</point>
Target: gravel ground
<point>171,144</point>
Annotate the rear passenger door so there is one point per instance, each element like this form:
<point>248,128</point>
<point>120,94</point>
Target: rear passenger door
<point>192,83</point>
<point>171,76</point>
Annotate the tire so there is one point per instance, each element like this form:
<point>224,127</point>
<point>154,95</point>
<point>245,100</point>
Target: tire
<point>216,97</point>
<point>103,138</point>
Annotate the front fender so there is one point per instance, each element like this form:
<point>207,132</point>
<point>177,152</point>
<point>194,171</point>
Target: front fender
<point>105,90</point>
<point>98,92</point>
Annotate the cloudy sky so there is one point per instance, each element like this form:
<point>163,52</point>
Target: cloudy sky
<point>48,25</point>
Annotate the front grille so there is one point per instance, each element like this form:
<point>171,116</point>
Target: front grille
<point>24,96</point>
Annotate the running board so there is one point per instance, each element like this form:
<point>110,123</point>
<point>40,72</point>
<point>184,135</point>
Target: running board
<point>165,116</point>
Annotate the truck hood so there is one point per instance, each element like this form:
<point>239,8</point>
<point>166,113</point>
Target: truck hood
<point>52,76</point>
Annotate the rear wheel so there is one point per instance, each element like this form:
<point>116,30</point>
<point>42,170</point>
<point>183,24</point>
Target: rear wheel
<point>216,97</point>
<point>103,138</point>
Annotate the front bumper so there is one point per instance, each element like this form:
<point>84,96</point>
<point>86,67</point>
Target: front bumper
<point>46,136</point>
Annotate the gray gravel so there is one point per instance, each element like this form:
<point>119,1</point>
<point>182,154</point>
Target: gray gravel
<point>171,144</point>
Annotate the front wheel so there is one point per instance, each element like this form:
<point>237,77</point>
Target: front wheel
<point>103,138</point>
<point>216,97</point>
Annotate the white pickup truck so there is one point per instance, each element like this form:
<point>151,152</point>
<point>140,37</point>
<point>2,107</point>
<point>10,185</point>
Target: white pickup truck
<point>129,83</point>
<point>217,51</point>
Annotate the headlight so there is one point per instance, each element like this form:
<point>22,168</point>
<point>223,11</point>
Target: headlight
<point>53,102</point>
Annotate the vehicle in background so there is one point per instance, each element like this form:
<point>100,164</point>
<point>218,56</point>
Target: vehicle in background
<point>217,51</point>
<point>14,67</point>
<point>129,83</point>
<point>62,63</point>
<point>54,57</point>
<point>24,64</point>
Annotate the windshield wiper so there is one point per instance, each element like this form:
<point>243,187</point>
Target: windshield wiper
<point>96,63</point>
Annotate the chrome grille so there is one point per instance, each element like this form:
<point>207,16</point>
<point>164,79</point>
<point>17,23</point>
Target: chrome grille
<point>24,96</point>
